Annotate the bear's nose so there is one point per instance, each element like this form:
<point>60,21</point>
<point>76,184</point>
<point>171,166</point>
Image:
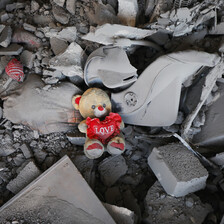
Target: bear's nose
<point>100,108</point>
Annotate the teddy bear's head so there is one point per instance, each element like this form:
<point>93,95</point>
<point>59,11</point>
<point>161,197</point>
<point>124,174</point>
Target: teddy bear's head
<point>93,103</point>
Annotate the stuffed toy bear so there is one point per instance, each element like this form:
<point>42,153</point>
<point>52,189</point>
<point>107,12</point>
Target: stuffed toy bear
<point>102,127</point>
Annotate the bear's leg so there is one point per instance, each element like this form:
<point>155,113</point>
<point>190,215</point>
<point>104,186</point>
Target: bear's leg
<point>93,148</point>
<point>116,145</point>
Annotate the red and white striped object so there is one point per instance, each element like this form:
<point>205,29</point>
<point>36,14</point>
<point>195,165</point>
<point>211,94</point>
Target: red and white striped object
<point>14,70</point>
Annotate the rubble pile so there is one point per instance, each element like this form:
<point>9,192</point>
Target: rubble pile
<point>162,64</point>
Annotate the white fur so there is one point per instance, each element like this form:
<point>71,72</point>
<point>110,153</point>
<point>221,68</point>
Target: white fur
<point>99,113</point>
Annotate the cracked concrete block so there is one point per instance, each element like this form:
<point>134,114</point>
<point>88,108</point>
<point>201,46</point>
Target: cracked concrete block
<point>60,15</point>
<point>69,62</point>
<point>27,58</point>
<point>165,209</point>
<point>120,215</point>
<point>177,169</point>
<point>27,152</point>
<point>111,169</point>
<point>58,46</point>
<point>70,6</point>
<point>127,11</point>
<point>12,49</point>
<point>5,37</point>
<point>26,175</point>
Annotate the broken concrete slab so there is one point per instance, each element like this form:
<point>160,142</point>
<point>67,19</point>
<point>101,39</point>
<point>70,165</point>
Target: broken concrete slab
<point>111,169</point>
<point>26,176</point>
<point>70,201</point>
<point>27,152</point>
<point>12,49</point>
<point>60,15</point>
<point>109,67</point>
<point>58,46</point>
<point>140,107</point>
<point>120,215</point>
<point>5,37</point>
<point>177,169</point>
<point>127,12</point>
<point>66,34</point>
<point>165,209</point>
<point>27,58</point>
<point>210,81</point>
<point>70,6</point>
<point>69,62</point>
<point>107,33</point>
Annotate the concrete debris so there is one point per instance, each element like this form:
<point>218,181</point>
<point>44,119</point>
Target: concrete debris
<point>29,27</point>
<point>60,15</point>
<point>42,20</point>
<point>59,2</point>
<point>66,34</point>
<point>5,37</point>
<point>15,6</point>
<point>26,151</point>
<point>218,29</point>
<point>76,138</point>
<point>177,169</point>
<point>107,33</point>
<point>69,62</point>
<point>162,208</point>
<point>70,6</point>
<point>60,200</point>
<point>26,176</point>
<point>127,12</point>
<point>34,6</point>
<point>111,169</point>
<point>12,49</point>
<point>120,215</point>
<point>58,46</point>
<point>27,58</point>
<point>210,81</point>
<point>23,36</point>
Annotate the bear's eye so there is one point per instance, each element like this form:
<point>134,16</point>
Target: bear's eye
<point>104,105</point>
<point>93,106</point>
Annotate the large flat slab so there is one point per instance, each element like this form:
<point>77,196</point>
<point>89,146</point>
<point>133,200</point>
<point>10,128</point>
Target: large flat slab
<point>59,195</point>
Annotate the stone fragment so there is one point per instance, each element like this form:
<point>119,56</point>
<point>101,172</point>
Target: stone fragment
<point>42,20</point>
<point>111,169</point>
<point>7,150</point>
<point>26,175</point>
<point>218,159</point>
<point>76,138</point>
<point>19,159</point>
<point>165,209</point>
<point>58,46</point>
<point>4,16</point>
<point>23,36</point>
<point>5,37</point>
<point>60,15</point>
<point>27,58</point>
<point>3,3</point>
<point>16,5</point>
<point>107,33</point>
<point>26,151</point>
<point>69,62</point>
<point>120,215</point>
<point>70,6</point>
<point>2,27</point>
<point>177,169</point>
<point>12,49</point>
<point>59,2</point>
<point>29,27</point>
<point>34,6</point>
<point>127,11</point>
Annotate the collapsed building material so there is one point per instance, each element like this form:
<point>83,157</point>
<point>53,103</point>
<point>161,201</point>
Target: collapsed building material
<point>158,104</point>
<point>210,81</point>
<point>165,209</point>
<point>5,37</point>
<point>44,110</point>
<point>12,49</point>
<point>218,159</point>
<point>25,176</point>
<point>177,169</point>
<point>127,12</point>
<point>27,58</point>
<point>69,62</point>
<point>109,66</point>
<point>70,6</point>
<point>63,193</point>
<point>111,169</point>
<point>107,33</point>
<point>58,46</point>
<point>60,14</point>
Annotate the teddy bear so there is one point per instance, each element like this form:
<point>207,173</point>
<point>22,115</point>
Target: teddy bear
<point>102,127</point>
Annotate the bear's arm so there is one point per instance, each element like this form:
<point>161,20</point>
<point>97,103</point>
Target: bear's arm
<point>122,125</point>
<point>82,126</point>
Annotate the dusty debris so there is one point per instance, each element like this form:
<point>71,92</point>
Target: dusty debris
<point>27,58</point>
<point>60,15</point>
<point>111,169</point>
<point>70,6</point>
<point>163,208</point>
<point>177,169</point>
<point>5,37</point>
<point>12,49</point>
<point>26,151</point>
<point>25,176</point>
<point>58,46</point>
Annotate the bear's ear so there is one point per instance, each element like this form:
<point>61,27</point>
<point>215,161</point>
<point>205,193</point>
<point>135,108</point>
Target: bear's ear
<point>75,101</point>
